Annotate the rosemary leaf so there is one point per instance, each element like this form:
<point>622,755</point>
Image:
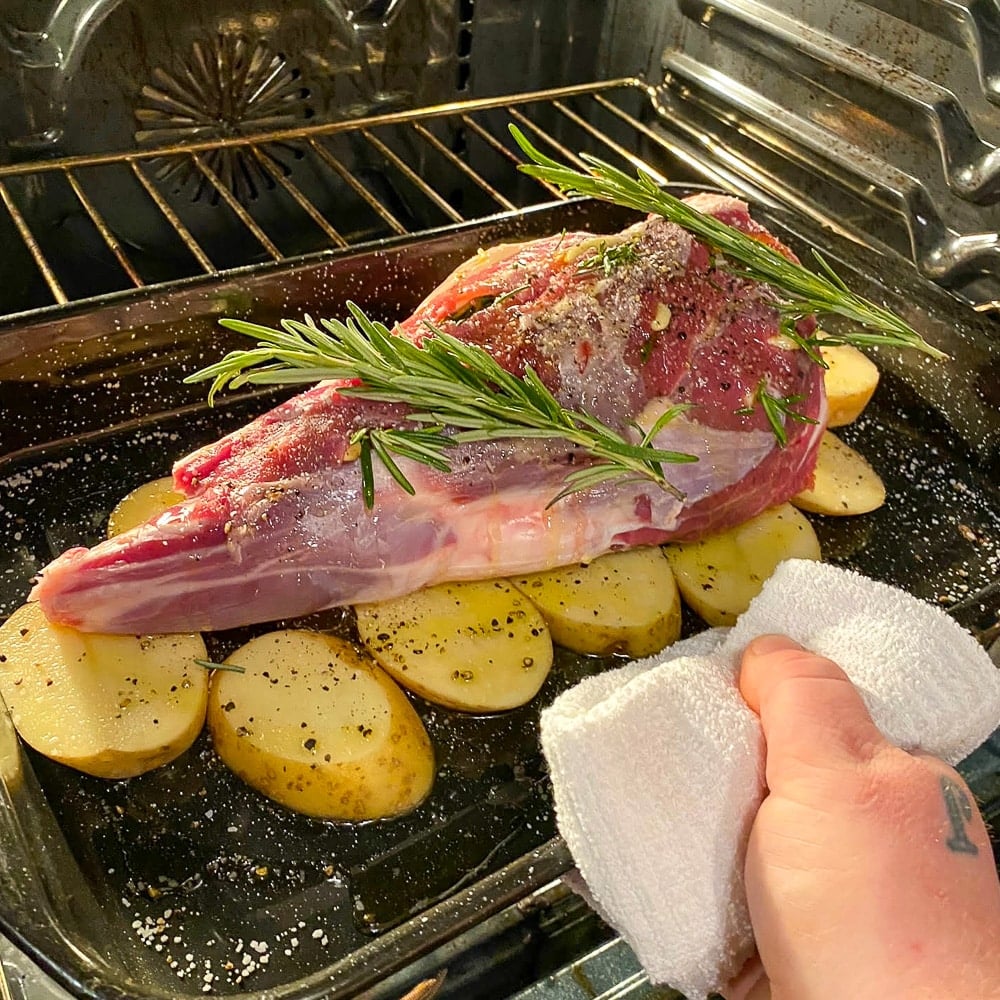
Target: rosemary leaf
<point>384,453</point>
<point>669,414</point>
<point>778,410</point>
<point>231,667</point>
<point>367,470</point>
<point>808,344</point>
<point>589,477</point>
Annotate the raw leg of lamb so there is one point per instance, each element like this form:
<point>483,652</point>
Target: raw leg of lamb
<point>275,525</point>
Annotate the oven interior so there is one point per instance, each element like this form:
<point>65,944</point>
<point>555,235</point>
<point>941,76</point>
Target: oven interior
<point>140,146</point>
<point>161,169</point>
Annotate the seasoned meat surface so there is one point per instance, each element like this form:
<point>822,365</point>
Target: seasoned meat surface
<point>622,326</point>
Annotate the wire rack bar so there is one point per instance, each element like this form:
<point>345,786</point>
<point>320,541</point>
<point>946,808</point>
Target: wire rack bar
<point>28,237</point>
<point>354,179</point>
<point>463,167</point>
<point>300,199</point>
<point>412,176</point>
<point>171,216</point>
<point>527,125</point>
<point>241,213</point>
<point>357,187</point>
<point>498,147</point>
<point>596,133</point>
<point>104,229</point>
<point>329,128</point>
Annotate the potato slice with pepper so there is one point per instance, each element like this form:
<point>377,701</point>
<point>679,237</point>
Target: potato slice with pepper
<point>623,602</point>
<point>142,504</point>
<point>720,575</point>
<point>113,706</point>
<point>843,482</point>
<point>850,381</point>
<point>477,647</point>
<point>313,723</point>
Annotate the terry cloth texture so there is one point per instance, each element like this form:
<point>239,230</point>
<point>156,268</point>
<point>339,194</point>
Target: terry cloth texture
<point>658,767</point>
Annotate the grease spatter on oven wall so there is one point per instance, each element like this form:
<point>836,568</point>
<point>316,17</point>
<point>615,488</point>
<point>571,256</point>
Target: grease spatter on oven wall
<point>228,86</point>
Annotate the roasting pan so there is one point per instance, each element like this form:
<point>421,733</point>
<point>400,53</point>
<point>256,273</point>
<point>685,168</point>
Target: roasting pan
<point>159,886</point>
<point>378,160</point>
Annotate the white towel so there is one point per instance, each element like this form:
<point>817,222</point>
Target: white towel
<point>657,767</point>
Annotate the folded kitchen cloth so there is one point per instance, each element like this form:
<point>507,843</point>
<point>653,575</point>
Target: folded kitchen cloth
<point>658,768</point>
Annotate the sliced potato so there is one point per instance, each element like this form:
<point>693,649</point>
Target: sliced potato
<point>477,647</point>
<point>624,602</point>
<point>850,382</point>
<point>721,574</point>
<point>142,504</point>
<point>844,482</point>
<point>109,705</point>
<point>315,724</point>
<point>10,751</point>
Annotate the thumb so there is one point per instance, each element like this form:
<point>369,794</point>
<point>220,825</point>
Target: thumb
<point>812,715</point>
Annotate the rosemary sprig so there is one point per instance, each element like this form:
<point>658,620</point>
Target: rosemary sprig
<point>778,410</point>
<point>806,292</point>
<point>808,344</point>
<point>607,259</point>
<point>458,393</point>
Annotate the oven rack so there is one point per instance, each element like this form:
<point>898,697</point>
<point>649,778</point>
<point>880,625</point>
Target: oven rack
<point>210,207</point>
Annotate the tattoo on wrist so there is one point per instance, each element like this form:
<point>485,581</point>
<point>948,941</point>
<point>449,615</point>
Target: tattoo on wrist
<point>959,809</point>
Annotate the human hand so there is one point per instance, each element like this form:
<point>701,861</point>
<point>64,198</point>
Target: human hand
<point>869,872</point>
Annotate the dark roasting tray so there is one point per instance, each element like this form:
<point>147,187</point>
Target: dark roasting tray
<point>115,888</point>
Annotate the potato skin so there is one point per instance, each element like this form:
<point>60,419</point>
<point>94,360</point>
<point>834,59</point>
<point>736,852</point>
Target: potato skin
<point>113,706</point>
<point>623,602</point>
<point>317,726</point>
